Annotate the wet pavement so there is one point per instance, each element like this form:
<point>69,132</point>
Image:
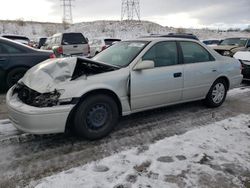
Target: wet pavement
<point>3,110</point>
<point>25,157</point>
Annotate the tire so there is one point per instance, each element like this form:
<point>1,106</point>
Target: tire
<point>217,94</point>
<point>14,75</point>
<point>96,117</point>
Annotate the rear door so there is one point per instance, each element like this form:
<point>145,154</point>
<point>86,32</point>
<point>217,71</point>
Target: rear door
<point>74,44</point>
<point>4,57</point>
<point>200,70</point>
<point>161,85</point>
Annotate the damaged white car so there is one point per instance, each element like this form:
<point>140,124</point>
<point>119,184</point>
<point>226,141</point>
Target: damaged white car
<point>89,95</point>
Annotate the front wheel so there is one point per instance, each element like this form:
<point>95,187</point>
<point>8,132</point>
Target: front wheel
<point>95,117</point>
<point>217,94</point>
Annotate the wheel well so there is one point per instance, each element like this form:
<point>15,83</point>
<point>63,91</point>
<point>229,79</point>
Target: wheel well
<point>91,93</point>
<point>226,80</point>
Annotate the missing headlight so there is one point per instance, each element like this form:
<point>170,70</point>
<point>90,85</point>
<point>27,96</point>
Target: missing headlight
<point>34,98</point>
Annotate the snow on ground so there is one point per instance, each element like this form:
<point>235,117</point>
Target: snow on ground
<point>6,126</point>
<point>217,155</point>
<point>237,91</point>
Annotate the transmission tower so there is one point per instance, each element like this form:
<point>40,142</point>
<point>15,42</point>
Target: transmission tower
<point>130,10</point>
<point>67,11</point>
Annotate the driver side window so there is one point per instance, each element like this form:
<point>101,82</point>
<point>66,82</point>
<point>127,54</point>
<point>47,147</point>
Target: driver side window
<point>163,54</point>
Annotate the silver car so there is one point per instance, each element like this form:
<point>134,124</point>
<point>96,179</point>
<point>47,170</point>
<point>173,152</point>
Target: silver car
<point>89,95</point>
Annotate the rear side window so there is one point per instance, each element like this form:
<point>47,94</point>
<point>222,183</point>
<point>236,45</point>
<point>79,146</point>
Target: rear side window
<point>194,53</point>
<point>163,54</point>
<point>73,38</point>
<point>8,49</point>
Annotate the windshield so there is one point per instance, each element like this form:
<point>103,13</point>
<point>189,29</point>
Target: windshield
<point>234,41</point>
<point>122,53</point>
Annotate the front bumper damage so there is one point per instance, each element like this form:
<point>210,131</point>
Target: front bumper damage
<point>36,120</point>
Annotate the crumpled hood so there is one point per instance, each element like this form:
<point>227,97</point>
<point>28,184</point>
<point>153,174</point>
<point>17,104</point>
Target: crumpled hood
<point>46,75</point>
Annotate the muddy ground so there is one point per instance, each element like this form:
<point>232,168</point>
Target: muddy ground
<point>25,157</point>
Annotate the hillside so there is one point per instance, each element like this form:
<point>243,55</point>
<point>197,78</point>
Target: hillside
<point>117,29</point>
<point>31,29</point>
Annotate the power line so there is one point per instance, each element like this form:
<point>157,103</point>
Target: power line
<point>130,10</point>
<point>67,11</point>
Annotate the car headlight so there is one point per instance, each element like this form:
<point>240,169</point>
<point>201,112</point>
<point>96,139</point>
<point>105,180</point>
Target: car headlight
<point>226,53</point>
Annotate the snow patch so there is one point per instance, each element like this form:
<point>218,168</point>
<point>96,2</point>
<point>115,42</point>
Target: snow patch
<point>217,153</point>
<point>237,91</point>
<point>6,126</point>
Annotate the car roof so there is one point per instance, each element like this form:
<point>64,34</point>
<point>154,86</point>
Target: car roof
<point>237,38</point>
<point>158,39</point>
<point>15,36</point>
<point>13,42</point>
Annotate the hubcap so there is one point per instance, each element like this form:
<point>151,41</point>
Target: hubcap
<point>218,93</point>
<point>97,116</point>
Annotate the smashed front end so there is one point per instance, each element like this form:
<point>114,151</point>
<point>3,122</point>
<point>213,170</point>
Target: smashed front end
<point>34,98</point>
<point>38,104</point>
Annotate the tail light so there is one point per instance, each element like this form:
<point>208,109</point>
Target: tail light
<point>59,50</point>
<point>51,56</point>
<point>104,47</point>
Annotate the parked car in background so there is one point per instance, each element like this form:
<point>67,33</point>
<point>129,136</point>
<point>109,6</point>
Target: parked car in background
<point>16,59</point>
<point>88,95</point>
<point>18,38</point>
<point>230,46</point>
<point>47,44</point>
<point>212,42</point>
<point>41,42</point>
<point>98,45</point>
<point>68,44</point>
<point>244,57</point>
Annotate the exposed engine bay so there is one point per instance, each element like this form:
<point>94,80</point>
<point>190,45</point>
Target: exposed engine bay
<point>34,98</point>
<point>88,68</point>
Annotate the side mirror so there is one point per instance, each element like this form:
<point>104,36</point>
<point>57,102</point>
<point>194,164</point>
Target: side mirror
<point>147,64</point>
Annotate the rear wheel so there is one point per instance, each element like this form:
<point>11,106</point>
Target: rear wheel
<point>217,94</point>
<point>14,75</point>
<point>95,117</point>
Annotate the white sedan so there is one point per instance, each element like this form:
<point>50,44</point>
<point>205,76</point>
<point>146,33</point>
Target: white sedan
<point>89,95</point>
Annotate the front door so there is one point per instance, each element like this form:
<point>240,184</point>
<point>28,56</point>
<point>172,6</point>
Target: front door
<point>160,85</point>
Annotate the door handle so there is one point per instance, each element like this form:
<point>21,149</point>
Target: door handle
<point>2,59</point>
<point>214,70</point>
<point>177,74</point>
<point>75,46</point>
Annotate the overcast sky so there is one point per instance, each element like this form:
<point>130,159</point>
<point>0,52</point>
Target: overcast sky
<point>177,13</point>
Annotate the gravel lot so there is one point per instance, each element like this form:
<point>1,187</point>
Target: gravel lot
<point>25,157</point>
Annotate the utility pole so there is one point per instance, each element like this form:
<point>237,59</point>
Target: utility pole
<point>67,11</point>
<point>130,10</point>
